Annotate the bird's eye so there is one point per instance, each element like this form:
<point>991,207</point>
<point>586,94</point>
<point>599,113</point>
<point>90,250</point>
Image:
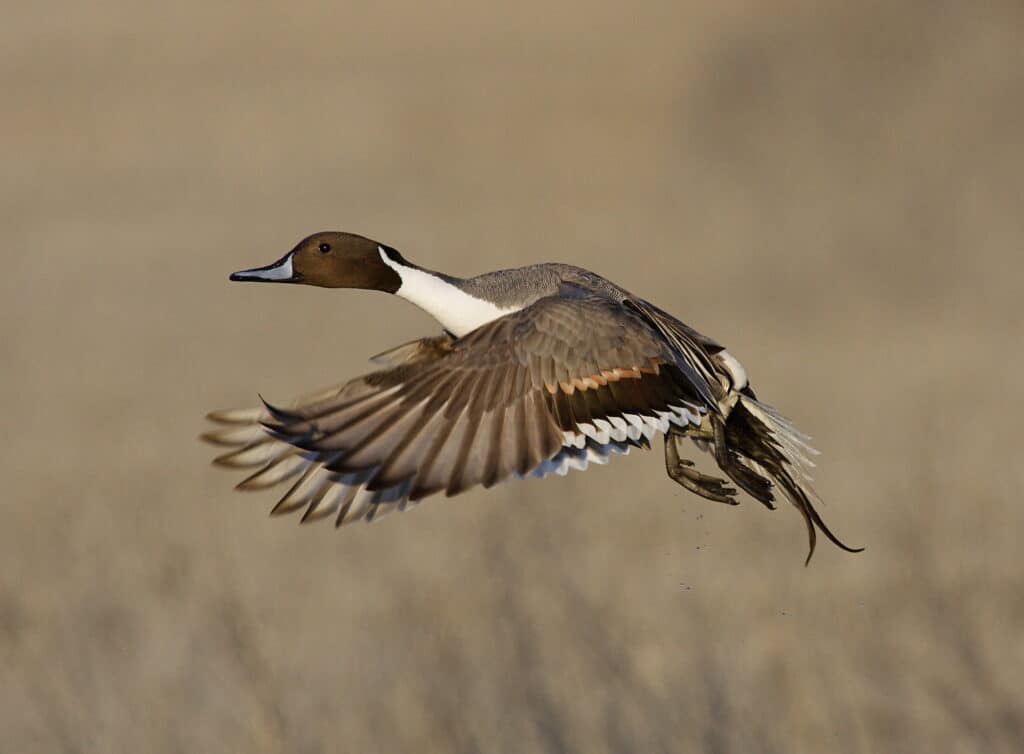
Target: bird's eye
<point>324,248</point>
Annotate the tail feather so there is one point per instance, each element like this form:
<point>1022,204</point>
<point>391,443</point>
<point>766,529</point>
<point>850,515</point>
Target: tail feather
<point>771,452</point>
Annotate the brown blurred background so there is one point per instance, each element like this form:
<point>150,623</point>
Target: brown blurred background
<point>831,189</point>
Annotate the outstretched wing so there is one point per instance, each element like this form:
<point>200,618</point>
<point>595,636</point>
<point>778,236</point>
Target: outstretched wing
<point>562,382</point>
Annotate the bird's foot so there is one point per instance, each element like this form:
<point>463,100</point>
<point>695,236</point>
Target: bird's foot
<point>706,486</point>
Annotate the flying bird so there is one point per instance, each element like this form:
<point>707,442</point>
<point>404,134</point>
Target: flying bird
<point>538,370</point>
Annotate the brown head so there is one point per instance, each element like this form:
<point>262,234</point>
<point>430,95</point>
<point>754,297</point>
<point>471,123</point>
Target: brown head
<point>331,259</point>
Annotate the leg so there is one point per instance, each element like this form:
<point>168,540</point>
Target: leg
<point>681,470</point>
<point>751,482</point>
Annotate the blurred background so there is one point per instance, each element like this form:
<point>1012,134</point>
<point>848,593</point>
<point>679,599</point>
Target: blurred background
<point>831,189</point>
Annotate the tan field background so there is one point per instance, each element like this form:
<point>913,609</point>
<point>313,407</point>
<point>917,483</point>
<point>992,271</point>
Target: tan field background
<point>834,190</point>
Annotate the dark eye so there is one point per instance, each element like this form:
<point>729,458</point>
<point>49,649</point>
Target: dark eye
<point>324,248</point>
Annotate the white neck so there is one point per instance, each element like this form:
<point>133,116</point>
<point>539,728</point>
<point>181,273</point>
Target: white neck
<point>457,311</point>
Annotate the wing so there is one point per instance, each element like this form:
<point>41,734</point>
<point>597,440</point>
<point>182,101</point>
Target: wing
<point>692,349</point>
<point>561,383</point>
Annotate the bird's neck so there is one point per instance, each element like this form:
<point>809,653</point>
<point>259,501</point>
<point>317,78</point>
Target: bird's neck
<point>443,297</point>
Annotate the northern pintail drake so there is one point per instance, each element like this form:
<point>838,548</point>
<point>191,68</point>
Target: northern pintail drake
<point>539,370</point>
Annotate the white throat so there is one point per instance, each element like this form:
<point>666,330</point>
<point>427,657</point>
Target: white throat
<point>457,311</point>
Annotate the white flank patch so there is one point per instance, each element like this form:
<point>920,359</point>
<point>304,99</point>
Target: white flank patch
<point>457,311</point>
<point>737,373</point>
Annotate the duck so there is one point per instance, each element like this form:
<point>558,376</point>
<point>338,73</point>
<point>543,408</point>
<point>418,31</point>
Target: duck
<point>536,371</point>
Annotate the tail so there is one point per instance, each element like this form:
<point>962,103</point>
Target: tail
<point>760,449</point>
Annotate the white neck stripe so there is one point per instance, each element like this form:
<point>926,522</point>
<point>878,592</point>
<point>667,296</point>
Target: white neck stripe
<point>457,311</point>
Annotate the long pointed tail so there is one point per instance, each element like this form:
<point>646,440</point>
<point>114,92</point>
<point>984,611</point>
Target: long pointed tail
<point>759,449</point>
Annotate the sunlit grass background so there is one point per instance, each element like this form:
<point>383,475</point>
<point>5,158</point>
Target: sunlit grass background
<point>831,189</point>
